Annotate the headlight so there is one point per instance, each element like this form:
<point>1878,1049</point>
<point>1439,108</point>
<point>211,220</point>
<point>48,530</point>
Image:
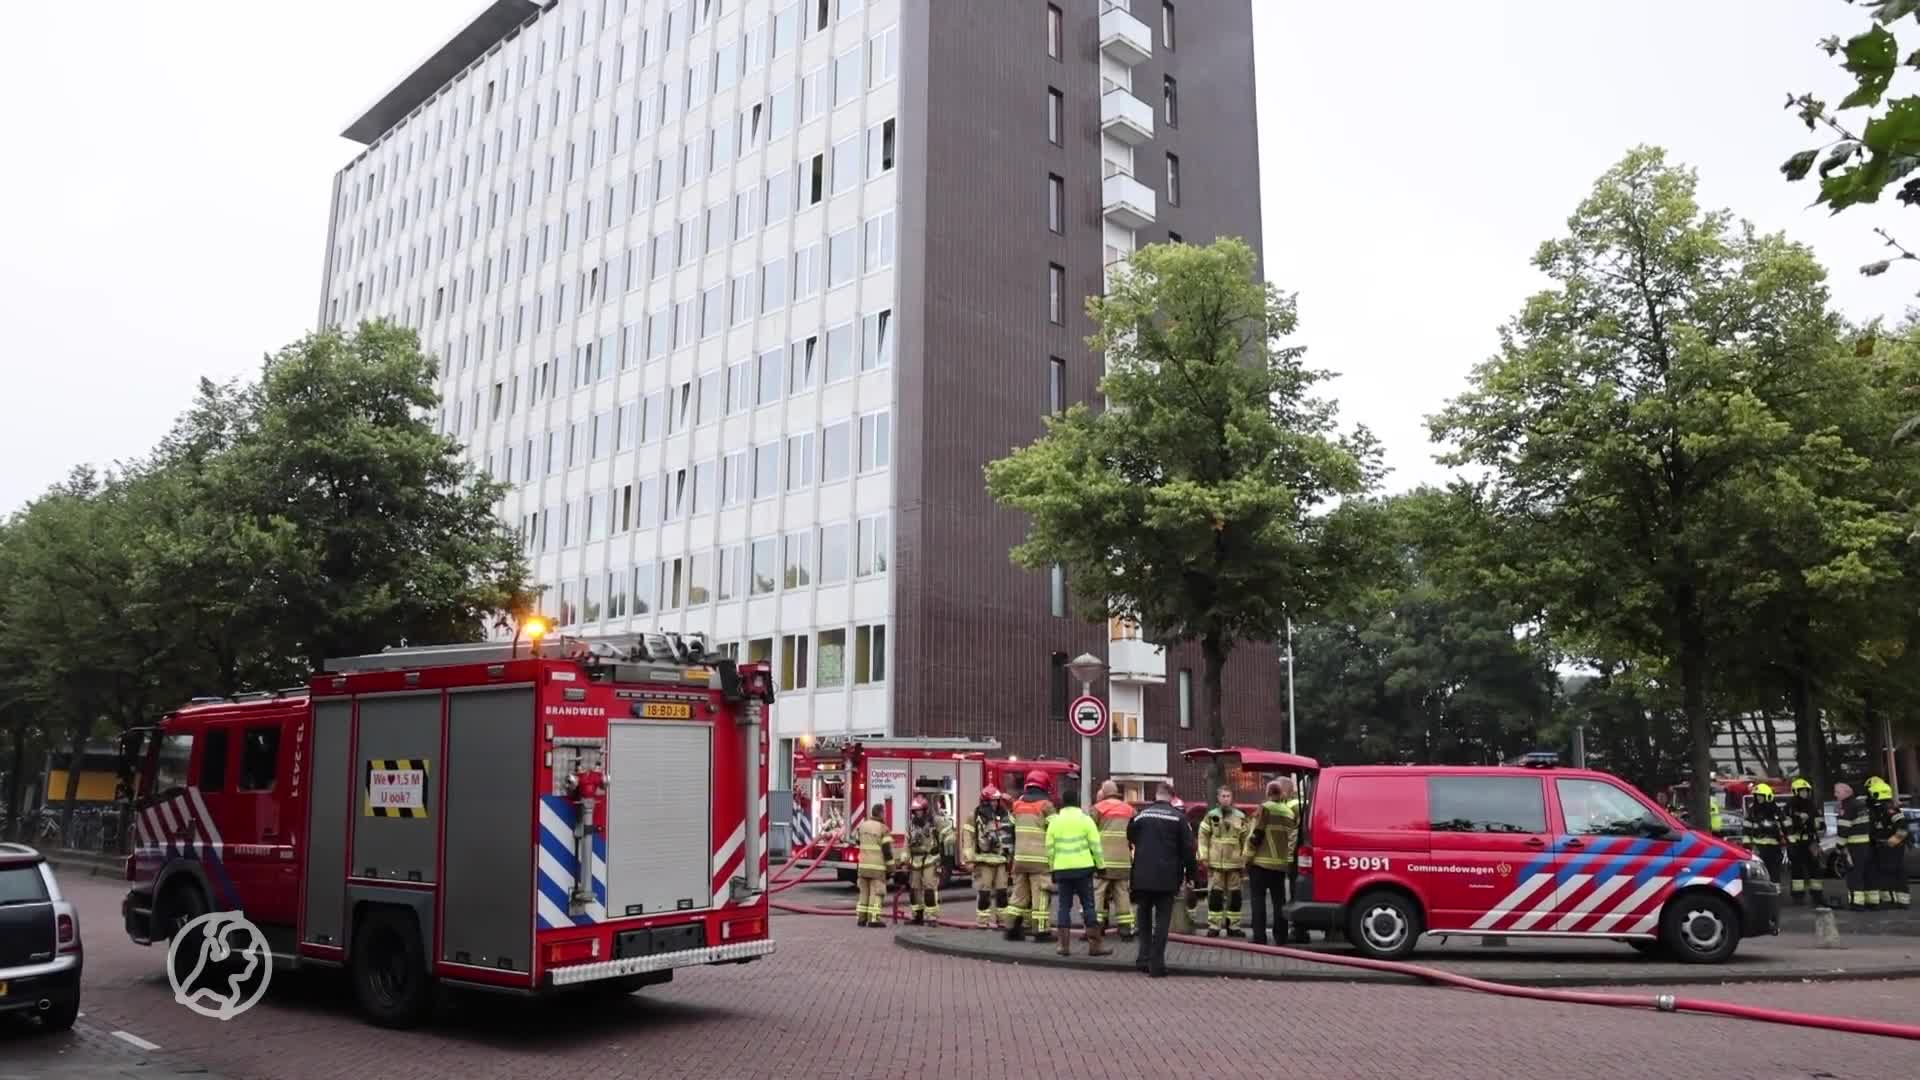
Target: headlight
<point>1754,870</point>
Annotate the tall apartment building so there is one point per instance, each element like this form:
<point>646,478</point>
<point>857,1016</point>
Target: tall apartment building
<point>740,296</point>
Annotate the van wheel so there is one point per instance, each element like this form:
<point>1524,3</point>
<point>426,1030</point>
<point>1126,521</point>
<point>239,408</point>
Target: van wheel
<point>180,904</point>
<point>1699,928</point>
<point>1383,925</point>
<point>390,969</point>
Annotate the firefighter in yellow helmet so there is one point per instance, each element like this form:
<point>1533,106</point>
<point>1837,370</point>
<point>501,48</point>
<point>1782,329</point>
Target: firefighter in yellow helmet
<point>1805,826</point>
<point>1031,872</point>
<point>876,865</point>
<point>928,837</point>
<point>1887,829</point>
<point>1223,855</point>
<point>1856,847</point>
<point>1767,829</point>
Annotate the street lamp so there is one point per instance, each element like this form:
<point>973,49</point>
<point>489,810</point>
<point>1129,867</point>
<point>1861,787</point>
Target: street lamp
<point>1086,667</point>
<point>1293,744</point>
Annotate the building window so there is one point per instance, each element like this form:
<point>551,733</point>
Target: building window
<point>1172,102</point>
<point>1057,590</point>
<point>763,568</point>
<point>1173,180</point>
<point>798,556</point>
<point>869,654</point>
<point>1057,294</point>
<point>1056,35</point>
<point>1185,692</point>
<point>1057,203</point>
<point>870,546</point>
<point>1057,685</point>
<point>1057,116</point>
<point>793,662</point>
<point>832,652</point>
<point>833,554</point>
<point>1166,26</point>
<point>1056,385</point>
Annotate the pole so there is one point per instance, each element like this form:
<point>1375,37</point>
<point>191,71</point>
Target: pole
<point>1293,745</point>
<point>1086,748</point>
<point>1579,746</point>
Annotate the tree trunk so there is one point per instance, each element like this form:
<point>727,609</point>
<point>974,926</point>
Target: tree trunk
<point>76,761</point>
<point>16,770</point>
<point>1876,744</point>
<point>1806,721</point>
<point>1693,700</point>
<point>1214,650</point>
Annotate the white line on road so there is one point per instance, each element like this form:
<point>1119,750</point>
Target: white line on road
<point>135,1040</point>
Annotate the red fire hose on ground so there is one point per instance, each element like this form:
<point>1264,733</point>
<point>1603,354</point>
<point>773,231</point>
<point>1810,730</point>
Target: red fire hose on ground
<point>1660,1002</point>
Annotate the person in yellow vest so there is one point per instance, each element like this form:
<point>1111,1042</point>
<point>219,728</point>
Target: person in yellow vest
<point>1888,836</point>
<point>1270,843</point>
<point>876,864</point>
<point>1856,856</point>
<point>1073,857</point>
<point>1223,847</point>
<point>928,837</point>
<point>986,840</point>
<point>1028,898</point>
<point>1805,826</point>
<point>1112,815</point>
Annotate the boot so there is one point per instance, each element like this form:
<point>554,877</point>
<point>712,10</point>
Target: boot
<point>1126,933</point>
<point>1040,935</point>
<point>919,917</point>
<point>861,921</point>
<point>1013,929</point>
<point>1096,942</point>
<point>1065,938</point>
<point>933,904</point>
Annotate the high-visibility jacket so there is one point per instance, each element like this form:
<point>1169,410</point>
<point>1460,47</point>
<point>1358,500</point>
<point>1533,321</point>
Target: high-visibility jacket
<point>1113,816</point>
<point>1713,817</point>
<point>1851,821</point>
<point>1223,839</point>
<point>876,848</point>
<point>1073,841</point>
<point>1766,824</point>
<point>987,837</point>
<point>1030,816</point>
<point>927,843</point>
<point>1270,841</point>
<point>1804,824</point>
<point>1885,823</point>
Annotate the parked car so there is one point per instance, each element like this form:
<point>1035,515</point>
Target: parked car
<point>40,955</point>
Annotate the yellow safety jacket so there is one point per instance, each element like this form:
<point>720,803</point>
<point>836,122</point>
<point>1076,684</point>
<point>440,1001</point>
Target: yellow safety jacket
<point>987,838</point>
<point>1271,839</point>
<point>1073,842</point>
<point>1030,834</point>
<point>1113,816</point>
<point>876,848</point>
<point>927,844</point>
<point>1223,839</point>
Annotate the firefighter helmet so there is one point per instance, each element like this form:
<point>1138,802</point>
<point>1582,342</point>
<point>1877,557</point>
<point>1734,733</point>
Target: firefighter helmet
<point>1801,783</point>
<point>989,794</point>
<point>1036,778</point>
<point>1763,792</point>
<point>918,804</point>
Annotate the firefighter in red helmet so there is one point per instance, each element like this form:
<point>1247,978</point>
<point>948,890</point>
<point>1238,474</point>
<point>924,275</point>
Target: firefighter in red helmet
<point>986,842</point>
<point>928,837</point>
<point>1031,871</point>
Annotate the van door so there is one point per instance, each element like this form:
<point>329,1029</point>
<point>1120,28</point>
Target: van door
<point>1491,860</point>
<point>259,841</point>
<point>1617,858</point>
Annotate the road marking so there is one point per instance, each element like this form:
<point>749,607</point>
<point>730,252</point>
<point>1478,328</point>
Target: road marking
<point>135,1040</point>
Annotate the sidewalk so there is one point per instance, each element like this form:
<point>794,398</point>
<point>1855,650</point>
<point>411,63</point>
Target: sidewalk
<point>1790,957</point>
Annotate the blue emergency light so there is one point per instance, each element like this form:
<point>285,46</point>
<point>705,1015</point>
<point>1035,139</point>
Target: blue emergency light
<point>1540,759</point>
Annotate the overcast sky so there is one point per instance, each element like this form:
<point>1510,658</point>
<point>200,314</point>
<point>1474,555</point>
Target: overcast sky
<point>167,200</point>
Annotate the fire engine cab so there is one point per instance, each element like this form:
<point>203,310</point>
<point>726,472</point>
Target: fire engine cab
<point>1010,775</point>
<point>842,778</point>
<point>516,817</point>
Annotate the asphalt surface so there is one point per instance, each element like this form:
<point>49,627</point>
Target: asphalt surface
<point>845,1002</point>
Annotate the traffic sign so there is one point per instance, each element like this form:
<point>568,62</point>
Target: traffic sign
<point>1088,716</point>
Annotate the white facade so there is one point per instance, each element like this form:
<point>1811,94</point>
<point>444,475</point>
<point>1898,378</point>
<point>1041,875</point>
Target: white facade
<point>651,244</point>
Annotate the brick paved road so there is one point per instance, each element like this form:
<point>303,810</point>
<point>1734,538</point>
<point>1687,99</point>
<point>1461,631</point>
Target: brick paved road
<point>837,1001</point>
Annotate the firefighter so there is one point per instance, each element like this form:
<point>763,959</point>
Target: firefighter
<point>876,863</point>
<point>928,836</point>
<point>1887,828</point>
<point>1856,849</point>
<point>1270,842</point>
<point>1112,814</point>
<point>1031,812</point>
<point>1805,826</point>
<point>985,841</point>
<point>1767,829</point>
<point>1223,844</point>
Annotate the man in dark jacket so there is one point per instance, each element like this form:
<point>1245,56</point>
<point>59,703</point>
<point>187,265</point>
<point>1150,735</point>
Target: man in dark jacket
<point>1163,860</point>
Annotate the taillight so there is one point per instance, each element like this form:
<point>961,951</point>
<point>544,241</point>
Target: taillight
<point>1304,859</point>
<point>129,867</point>
<point>66,933</point>
<point>572,952</point>
<point>742,929</point>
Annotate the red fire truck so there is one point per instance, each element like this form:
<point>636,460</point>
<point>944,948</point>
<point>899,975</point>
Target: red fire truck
<point>519,817</point>
<point>843,777</point>
<point>1010,776</point>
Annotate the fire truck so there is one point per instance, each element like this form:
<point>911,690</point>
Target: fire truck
<point>844,777</point>
<point>524,817</point>
<point>1010,775</point>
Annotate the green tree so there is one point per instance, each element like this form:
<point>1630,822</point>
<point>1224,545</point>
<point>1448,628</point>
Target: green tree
<point>1202,500</point>
<point>1628,412</point>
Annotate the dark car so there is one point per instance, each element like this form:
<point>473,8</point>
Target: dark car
<point>39,941</point>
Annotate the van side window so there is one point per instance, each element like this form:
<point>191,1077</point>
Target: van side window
<point>1593,808</point>
<point>213,761</point>
<point>1374,803</point>
<point>259,756</point>
<point>1487,804</point>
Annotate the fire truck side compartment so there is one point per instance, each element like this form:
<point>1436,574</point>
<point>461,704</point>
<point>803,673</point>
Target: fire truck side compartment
<point>328,786</point>
<point>488,893</point>
<point>405,726</point>
<point>659,817</point>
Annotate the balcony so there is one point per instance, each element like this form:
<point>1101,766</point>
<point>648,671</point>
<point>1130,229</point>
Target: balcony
<point>1135,757</point>
<point>1126,117</point>
<point>1127,202</point>
<point>1123,38</point>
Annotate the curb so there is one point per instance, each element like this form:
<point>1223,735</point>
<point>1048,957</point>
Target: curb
<point>90,866</point>
<point>1044,956</point>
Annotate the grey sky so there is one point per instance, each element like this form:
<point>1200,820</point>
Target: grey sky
<point>172,164</point>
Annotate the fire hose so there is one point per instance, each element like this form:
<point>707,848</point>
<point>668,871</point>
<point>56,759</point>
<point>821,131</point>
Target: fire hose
<point>1667,1003</point>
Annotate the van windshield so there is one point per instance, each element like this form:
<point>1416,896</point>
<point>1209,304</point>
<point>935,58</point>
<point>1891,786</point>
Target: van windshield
<point>170,763</point>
